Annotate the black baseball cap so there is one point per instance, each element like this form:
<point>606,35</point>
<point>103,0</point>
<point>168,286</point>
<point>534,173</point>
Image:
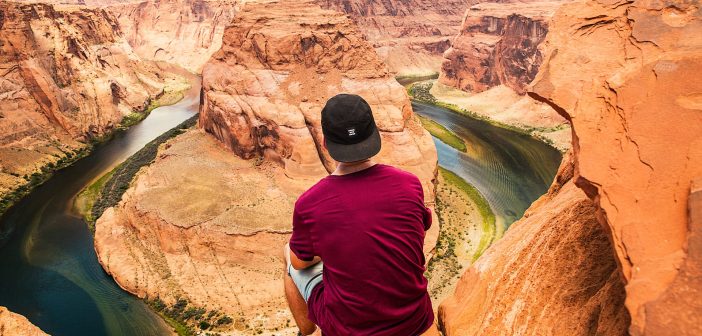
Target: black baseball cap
<point>349,129</point>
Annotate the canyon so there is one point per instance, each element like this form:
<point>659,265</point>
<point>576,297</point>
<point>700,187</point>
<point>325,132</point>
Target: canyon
<point>614,244</point>
<point>637,177</point>
<point>183,32</point>
<point>68,77</point>
<point>493,58</point>
<point>207,220</point>
<point>410,36</point>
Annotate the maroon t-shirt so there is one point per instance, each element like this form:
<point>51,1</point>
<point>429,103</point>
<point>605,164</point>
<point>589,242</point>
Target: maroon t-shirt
<point>368,227</point>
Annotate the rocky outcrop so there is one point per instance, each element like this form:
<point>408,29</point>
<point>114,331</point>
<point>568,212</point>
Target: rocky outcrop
<point>206,225</point>
<point>556,261</point>
<point>264,90</point>
<point>183,32</point>
<point>13,324</point>
<point>66,76</point>
<point>498,44</point>
<point>626,75</point>
<point>409,35</point>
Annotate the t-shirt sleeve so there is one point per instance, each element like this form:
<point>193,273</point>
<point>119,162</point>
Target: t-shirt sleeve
<point>427,218</point>
<point>301,242</point>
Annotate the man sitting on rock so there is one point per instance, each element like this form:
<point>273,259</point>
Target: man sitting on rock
<point>355,264</point>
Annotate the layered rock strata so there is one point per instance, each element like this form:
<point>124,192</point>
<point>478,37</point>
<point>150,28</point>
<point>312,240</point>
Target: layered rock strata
<point>279,63</point>
<point>626,75</point>
<point>66,76</point>
<point>183,32</point>
<point>556,261</point>
<point>12,324</point>
<point>207,220</point>
<point>498,44</point>
<point>409,35</point>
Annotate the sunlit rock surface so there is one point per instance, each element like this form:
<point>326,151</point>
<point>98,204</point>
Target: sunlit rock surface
<point>66,76</point>
<point>12,324</point>
<point>626,74</point>
<point>183,32</point>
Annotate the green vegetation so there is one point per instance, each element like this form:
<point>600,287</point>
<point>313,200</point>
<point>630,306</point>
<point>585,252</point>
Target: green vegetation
<point>86,198</point>
<point>108,190</point>
<point>420,92</point>
<point>488,227</point>
<point>444,134</point>
<point>42,175</point>
<point>167,98</point>
<point>186,320</point>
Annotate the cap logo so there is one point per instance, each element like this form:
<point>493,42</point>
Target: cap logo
<point>352,131</point>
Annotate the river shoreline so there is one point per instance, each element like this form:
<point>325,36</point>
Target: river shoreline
<point>169,96</point>
<point>419,87</point>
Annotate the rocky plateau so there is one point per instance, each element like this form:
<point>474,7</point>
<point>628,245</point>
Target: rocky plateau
<point>12,324</point>
<point>208,219</point>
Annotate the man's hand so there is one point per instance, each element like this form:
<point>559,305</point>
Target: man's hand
<point>296,262</point>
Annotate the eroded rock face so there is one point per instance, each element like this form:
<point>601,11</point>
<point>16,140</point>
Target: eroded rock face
<point>14,324</point>
<point>208,219</point>
<point>409,35</point>
<point>554,263</point>
<point>279,63</point>
<point>183,32</point>
<point>626,75</point>
<point>67,76</point>
<point>498,43</point>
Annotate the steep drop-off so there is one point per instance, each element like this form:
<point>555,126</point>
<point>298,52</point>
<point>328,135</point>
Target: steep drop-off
<point>492,59</point>
<point>625,75</point>
<point>409,35</point>
<point>499,43</point>
<point>556,261</point>
<point>183,32</point>
<point>67,76</point>
<point>207,220</point>
<point>637,123</point>
<point>12,324</point>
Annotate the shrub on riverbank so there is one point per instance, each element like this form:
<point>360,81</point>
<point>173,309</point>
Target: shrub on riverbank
<point>442,133</point>
<point>186,318</point>
<point>121,177</point>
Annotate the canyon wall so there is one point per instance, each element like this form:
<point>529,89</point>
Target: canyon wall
<point>625,75</point>
<point>66,76</point>
<point>409,35</point>
<point>12,324</point>
<point>553,273</point>
<point>183,32</point>
<point>498,43</point>
<point>207,221</point>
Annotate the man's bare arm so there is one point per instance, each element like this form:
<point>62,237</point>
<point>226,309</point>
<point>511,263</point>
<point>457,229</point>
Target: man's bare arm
<point>298,263</point>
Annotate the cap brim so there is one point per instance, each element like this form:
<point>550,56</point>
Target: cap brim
<point>356,152</point>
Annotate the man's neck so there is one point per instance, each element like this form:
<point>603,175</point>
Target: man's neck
<point>344,168</point>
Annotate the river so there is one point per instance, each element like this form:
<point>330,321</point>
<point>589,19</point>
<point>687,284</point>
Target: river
<point>49,271</point>
<point>510,169</point>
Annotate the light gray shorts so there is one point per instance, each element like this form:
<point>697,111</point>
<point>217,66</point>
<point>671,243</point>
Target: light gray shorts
<point>306,279</point>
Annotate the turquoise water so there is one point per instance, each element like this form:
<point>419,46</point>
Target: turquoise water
<point>510,169</point>
<point>48,267</point>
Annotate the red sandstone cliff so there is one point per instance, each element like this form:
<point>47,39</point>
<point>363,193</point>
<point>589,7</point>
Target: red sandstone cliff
<point>498,44</point>
<point>183,32</point>
<point>409,35</point>
<point>625,75</point>
<point>208,219</point>
<point>66,76</point>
